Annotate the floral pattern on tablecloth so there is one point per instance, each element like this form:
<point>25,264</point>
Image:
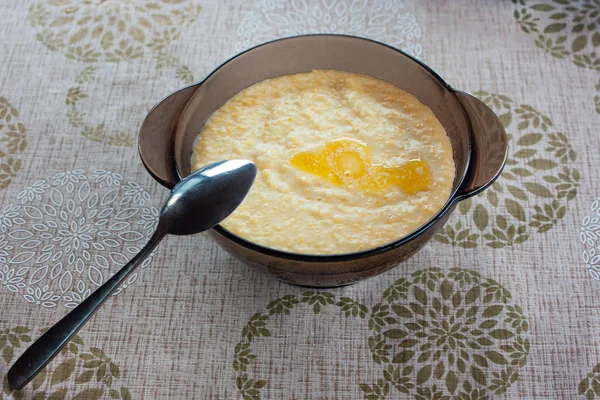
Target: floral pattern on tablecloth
<point>589,236</point>
<point>13,141</point>
<point>96,32</point>
<point>434,334</point>
<point>589,387</point>
<point>95,374</point>
<point>532,194</point>
<point>384,21</point>
<point>65,236</point>
<point>508,311</point>
<point>564,28</point>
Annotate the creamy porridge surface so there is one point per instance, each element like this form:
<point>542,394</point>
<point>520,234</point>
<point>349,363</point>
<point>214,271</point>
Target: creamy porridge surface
<point>346,162</point>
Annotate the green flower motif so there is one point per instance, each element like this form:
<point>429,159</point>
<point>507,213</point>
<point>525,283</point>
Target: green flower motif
<point>116,30</point>
<point>464,276</point>
<point>536,178</point>
<point>86,75</point>
<point>428,277</point>
<point>249,388</point>
<point>8,170</point>
<point>256,327</point>
<point>121,139</point>
<point>495,292</point>
<point>547,216</point>
<point>560,146</point>
<point>243,356</point>
<point>380,350</point>
<point>77,118</point>
<point>184,74</point>
<point>98,133</point>
<point>378,391</point>
<point>399,378</point>
<point>473,394</point>
<point>432,393</point>
<point>91,31</point>
<point>105,369</point>
<point>74,95</point>
<point>461,335</point>
<point>282,305</point>
<point>317,300</point>
<point>436,335</point>
<point>380,316</point>
<point>458,235</point>
<point>92,369</point>
<point>95,134</point>
<point>518,350</point>
<point>589,387</point>
<point>501,381</point>
<point>565,29</point>
<point>397,290</point>
<point>12,142</point>
<point>352,308</point>
<point>555,48</point>
<point>528,116</point>
<point>11,339</point>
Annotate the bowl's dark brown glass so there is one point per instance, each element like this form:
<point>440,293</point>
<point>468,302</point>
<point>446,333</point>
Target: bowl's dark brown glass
<point>479,142</point>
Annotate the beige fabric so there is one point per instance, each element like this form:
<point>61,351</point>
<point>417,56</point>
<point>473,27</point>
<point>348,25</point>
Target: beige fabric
<point>75,86</point>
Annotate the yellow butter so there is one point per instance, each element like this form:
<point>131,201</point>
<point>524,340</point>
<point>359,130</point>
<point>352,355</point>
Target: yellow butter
<point>348,162</point>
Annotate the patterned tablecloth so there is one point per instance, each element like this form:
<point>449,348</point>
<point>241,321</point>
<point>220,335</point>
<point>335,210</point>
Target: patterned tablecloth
<point>502,304</point>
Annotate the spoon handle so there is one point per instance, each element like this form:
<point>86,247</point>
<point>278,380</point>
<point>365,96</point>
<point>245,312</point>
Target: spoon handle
<point>35,358</point>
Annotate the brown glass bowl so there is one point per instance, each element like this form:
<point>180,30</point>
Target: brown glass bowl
<point>479,142</point>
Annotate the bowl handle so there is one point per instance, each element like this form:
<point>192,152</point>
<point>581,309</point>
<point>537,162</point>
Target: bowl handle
<point>489,147</point>
<point>155,138</point>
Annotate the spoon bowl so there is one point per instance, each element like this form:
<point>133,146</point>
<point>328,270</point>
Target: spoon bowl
<point>207,197</point>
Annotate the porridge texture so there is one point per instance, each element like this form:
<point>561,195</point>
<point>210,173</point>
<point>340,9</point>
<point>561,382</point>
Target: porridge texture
<point>346,162</point>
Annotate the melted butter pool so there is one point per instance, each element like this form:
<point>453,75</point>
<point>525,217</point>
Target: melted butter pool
<point>347,162</point>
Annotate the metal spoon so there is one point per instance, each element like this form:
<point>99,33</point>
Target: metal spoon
<point>195,204</point>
